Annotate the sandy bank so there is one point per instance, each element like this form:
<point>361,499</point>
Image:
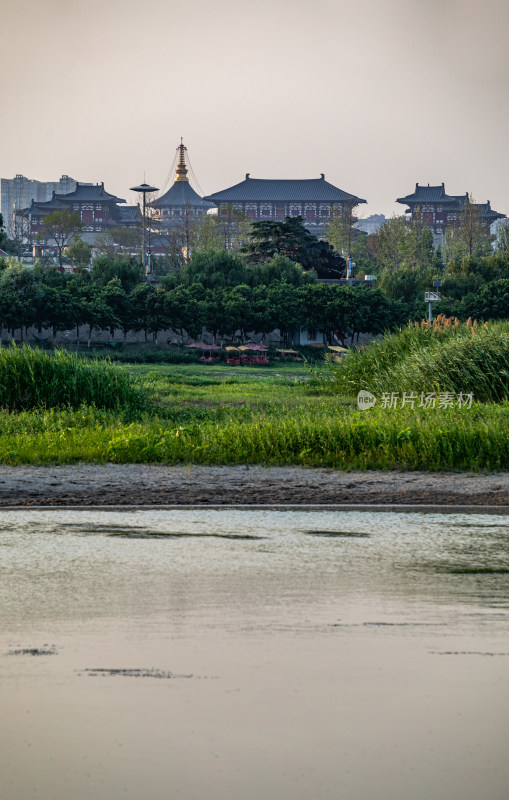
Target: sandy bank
<point>134,484</point>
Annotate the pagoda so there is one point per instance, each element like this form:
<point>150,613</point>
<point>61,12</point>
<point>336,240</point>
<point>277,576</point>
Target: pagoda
<point>180,200</point>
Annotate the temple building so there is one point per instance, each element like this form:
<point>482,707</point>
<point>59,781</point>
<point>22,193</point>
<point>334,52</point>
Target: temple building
<point>180,200</point>
<point>439,210</point>
<point>313,199</point>
<point>98,209</point>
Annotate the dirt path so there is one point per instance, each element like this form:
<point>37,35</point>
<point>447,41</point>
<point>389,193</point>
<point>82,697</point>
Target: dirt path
<point>133,484</point>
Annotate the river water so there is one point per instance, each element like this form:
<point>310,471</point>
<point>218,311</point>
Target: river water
<point>253,655</point>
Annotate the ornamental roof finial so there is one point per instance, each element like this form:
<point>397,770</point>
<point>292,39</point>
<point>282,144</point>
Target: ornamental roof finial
<point>181,171</point>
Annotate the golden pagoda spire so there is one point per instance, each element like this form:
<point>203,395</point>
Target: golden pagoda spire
<point>181,171</point>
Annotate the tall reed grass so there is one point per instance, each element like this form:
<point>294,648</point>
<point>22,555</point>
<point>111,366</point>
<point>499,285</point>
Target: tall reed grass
<point>31,379</point>
<point>423,357</point>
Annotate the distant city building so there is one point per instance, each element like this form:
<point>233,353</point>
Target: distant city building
<point>180,200</point>
<point>371,224</point>
<point>313,199</point>
<point>17,194</point>
<point>439,210</point>
<point>98,210</point>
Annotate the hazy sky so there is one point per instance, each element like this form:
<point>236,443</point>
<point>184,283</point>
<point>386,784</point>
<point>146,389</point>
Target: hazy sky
<point>377,94</point>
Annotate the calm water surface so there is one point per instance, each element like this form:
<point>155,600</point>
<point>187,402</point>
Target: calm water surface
<point>241,655</point>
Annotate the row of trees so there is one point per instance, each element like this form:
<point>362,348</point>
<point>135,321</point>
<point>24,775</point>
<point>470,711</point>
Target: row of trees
<point>104,300</point>
<point>401,254</point>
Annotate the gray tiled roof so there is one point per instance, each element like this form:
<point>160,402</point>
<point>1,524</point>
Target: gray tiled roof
<point>89,192</point>
<point>257,189</point>
<point>128,214</point>
<point>488,212</point>
<point>181,193</point>
<point>428,194</point>
<point>47,205</point>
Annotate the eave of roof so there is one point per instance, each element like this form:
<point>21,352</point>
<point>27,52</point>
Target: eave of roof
<point>47,205</point>
<point>181,193</point>
<point>89,191</point>
<point>427,194</point>
<point>268,190</point>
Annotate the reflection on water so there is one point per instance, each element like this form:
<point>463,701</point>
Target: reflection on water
<point>326,654</point>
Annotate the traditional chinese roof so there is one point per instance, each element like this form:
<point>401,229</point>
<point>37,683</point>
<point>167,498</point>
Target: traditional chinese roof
<point>46,206</point>
<point>260,190</point>
<point>129,215</point>
<point>84,193</point>
<point>181,193</point>
<point>429,194</point>
<point>89,192</point>
<point>488,213</point>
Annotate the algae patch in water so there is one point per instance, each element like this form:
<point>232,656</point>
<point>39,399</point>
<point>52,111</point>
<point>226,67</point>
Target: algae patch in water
<point>339,534</point>
<point>134,673</point>
<point>32,651</point>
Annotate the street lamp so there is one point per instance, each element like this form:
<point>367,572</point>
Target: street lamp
<point>144,189</point>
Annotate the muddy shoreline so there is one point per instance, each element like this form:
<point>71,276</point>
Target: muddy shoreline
<point>141,485</point>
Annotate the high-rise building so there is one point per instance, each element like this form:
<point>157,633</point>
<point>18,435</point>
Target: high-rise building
<point>17,194</point>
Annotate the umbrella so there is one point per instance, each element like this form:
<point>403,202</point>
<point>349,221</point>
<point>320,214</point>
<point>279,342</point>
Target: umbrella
<point>254,346</point>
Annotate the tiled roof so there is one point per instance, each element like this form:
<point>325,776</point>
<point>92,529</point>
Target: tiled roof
<point>129,214</point>
<point>257,189</point>
<point>47,205</point>
<point>488,212</point>
<point>85,192</point>
<point>181,193</point>
<point>428,194</point>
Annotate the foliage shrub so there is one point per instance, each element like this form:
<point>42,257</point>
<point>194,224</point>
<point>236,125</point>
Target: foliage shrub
<point>30,379</point>
<point>146,354</point>
<point>422,357</point>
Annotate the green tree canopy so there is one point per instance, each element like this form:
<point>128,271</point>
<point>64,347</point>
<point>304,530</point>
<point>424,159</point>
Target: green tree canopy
<point>129,271</point>
<point>60,227</point>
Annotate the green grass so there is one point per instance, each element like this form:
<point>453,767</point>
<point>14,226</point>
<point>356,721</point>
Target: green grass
<point>30,378</point>
<point>217,415</point>
<point>322,435</point>
<point>446,356</point>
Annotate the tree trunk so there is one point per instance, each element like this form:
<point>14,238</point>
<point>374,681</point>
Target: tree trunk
<point>89,335</point>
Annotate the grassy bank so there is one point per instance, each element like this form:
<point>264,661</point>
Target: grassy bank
<point>433,441</point>
<point>444,356</point>
<point>31,379</point>
<point>220,415</point>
